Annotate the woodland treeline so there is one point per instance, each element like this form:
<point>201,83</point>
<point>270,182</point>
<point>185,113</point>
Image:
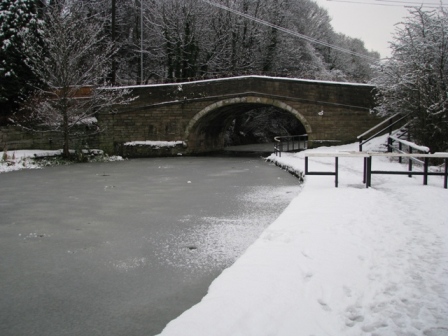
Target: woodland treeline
<point>176,40</point>
<point>192,39</point>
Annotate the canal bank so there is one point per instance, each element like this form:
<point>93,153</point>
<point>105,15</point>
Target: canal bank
<point>338,261</point>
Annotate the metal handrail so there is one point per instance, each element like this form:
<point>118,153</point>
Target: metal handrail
<point>411,147</point>
<point>290,141</point>
<point>389,127</point>
<point>376,126</point>
<point>368,172</point>
<point>403,129</point>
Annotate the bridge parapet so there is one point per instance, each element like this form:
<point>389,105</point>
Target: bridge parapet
<point>322,92</point>
<point>200,112</point>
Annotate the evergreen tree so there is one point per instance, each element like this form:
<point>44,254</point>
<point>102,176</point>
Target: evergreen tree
<point>19,22</point>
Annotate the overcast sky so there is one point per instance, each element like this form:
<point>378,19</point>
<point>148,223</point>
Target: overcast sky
<point>374,24</point>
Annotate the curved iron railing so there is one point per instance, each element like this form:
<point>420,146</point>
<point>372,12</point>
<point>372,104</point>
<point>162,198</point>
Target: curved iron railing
<point>290,143</point>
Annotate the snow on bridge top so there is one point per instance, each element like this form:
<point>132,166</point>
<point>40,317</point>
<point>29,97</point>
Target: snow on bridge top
<point>203,81</point>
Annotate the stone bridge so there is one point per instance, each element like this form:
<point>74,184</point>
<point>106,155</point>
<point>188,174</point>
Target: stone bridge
<point>198,113</point>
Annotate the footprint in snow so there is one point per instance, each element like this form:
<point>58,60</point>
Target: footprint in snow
<point>324,305</point>
<point>306,254</point>
<point>353,316</point>
<point>308,276</point>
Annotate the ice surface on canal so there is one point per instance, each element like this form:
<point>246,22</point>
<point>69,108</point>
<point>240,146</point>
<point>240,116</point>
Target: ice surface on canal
<point>214,242</point>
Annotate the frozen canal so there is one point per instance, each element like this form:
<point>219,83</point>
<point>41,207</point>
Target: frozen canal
<point>123,248</point>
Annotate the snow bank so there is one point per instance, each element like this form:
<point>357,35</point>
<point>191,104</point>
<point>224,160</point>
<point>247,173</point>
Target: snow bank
<point>24,159</point>
<point>31,153</point>
<point>338,261</point>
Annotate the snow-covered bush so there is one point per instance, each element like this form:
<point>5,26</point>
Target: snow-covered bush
<point>415,79</point>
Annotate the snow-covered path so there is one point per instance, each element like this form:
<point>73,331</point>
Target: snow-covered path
<point>338,261</point>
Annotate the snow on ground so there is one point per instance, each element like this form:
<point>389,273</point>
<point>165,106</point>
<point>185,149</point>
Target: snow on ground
<point>22,159</point>
<point>338,261</point>
<point>25,159</point>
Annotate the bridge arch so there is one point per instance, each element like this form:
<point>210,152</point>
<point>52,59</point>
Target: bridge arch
<point>221,110</point>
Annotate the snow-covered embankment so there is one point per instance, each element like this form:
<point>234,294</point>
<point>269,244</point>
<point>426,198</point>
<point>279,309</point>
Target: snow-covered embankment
<point>338,261</point>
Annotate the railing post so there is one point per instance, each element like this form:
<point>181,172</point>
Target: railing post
<point>425,171</point>
<point>360,144</point>
<point>306,165</point>
<point>410,162</point>
<point>446,174</point>
<point>336,161</point>
<point>389,145</point>
<point>369,172</point>
<point>364,171</point>
<point>400,147</point>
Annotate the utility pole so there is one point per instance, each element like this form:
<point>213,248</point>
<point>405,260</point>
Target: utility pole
<point>141,42</point>
<point>113,35</point>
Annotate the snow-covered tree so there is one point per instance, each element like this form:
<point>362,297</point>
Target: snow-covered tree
<point>19,21</point>
<point>414,80</point>
<point>192,39</point>
<point>352,68</point>
<point>179,21</point>
<point>72,61</point>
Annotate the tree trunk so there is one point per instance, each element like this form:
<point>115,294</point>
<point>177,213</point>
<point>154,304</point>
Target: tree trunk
<point>65,129</point>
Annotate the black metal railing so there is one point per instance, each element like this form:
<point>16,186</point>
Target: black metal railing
<point>368,171</point>
<point>398,135</point>
<point>386,125</point>
<point>406,147</point>
<point>290,143</point>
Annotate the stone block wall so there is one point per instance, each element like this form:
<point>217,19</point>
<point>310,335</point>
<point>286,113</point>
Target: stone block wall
<point>15,138</point>
<point>141,151</point>
<point>158,124</point>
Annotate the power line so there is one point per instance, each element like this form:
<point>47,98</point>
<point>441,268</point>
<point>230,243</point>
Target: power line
<point>365,3</point>
<point>414,3</point>
<point>405,4</point>
<point>291,32</point>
